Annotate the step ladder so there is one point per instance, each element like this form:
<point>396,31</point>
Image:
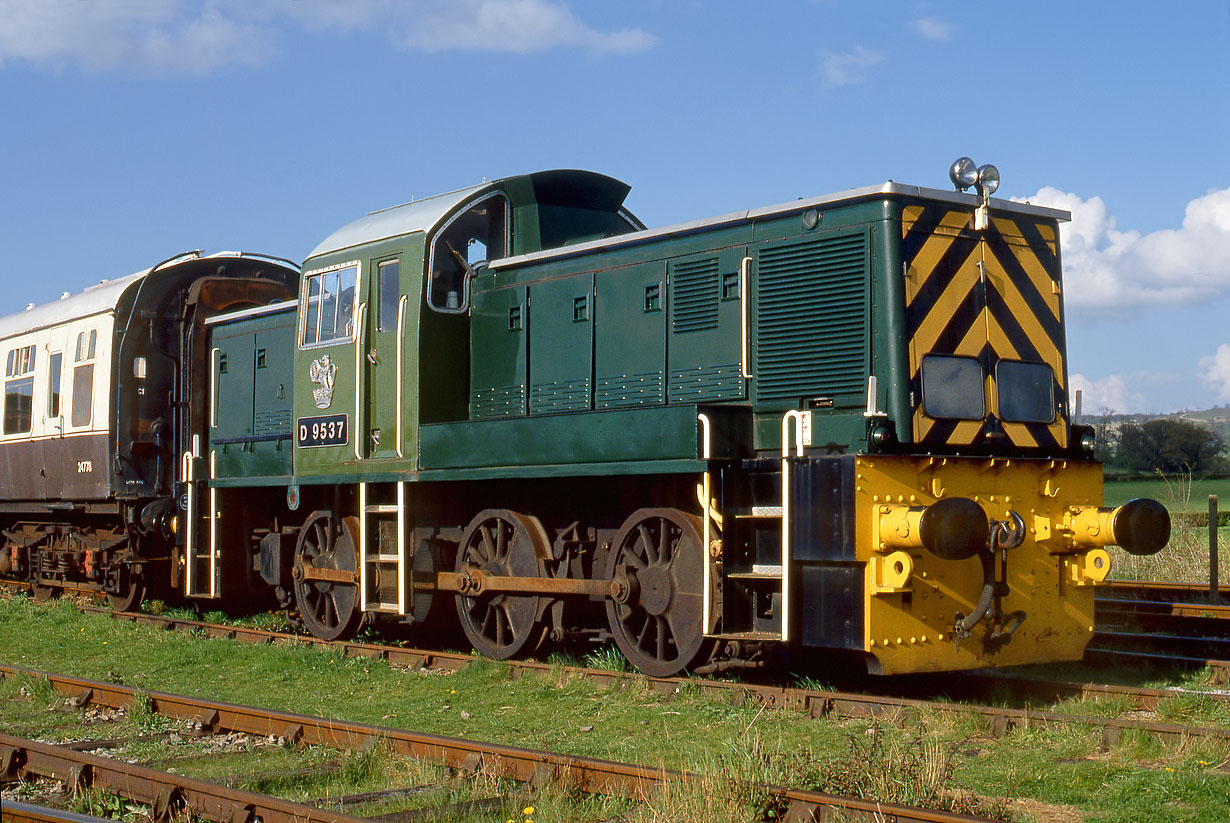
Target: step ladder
<point>766,580</point>
<point>383,567</point>
<point>202,543</point>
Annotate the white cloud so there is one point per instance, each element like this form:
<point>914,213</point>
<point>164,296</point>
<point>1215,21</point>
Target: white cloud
<point>847,68</point>
<point>518,26</point>
<point>1113,393</point>
<point>930,28</point>
<point>142,35</point>
<point>1215,371</point>
<point>1105,268</point>
<point>198,36</point>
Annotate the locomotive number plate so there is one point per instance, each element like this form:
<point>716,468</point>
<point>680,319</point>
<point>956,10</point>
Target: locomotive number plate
<point>330,430</point>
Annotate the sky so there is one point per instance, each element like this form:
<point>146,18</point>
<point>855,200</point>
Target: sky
<point>132,130</point>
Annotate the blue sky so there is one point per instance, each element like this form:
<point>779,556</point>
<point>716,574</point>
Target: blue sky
<point>131,130</point>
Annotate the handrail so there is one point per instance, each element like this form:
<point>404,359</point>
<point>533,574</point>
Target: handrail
<point>362,545</point>
<point>190,514</point>
<point>213,526</point>
<point>707,575</point>
<point>797,417</point>
<point>401,326</point>
<point>401,547</point>
<point>358,380</point>
<point>213,387</point>
<point>745,267</point>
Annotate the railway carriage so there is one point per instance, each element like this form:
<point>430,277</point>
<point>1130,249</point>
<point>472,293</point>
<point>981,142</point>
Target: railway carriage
<point>100,390</point>
<point>839,426</point>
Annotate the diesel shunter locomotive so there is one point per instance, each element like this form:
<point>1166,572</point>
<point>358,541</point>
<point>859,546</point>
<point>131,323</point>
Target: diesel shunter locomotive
<point>837,425</point>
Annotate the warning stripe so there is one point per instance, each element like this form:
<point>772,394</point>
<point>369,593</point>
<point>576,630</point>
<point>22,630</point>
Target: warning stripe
<point>993,295</point>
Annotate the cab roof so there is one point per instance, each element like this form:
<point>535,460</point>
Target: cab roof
<point>558,186</point>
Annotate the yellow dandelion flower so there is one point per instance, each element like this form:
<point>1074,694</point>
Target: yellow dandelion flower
<point>528,810</point>
<point>1169,769</point>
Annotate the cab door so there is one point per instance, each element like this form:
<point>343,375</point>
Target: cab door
<point>382,364</point>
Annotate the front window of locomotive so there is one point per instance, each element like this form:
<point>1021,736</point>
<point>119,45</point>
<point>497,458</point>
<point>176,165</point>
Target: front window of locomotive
<point>1026,392</point>
<point>953,388</point>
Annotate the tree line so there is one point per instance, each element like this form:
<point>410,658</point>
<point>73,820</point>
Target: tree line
<point>1166,445</point>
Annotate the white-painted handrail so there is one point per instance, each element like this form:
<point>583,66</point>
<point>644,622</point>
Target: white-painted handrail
<point>797,417</point>
<point>707,575</point>
<point>401,344</point>
<point>745,268</point>
<point>359,339</point>
<point>214,537</point>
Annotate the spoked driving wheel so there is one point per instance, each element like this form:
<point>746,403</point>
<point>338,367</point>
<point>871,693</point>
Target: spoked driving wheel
<point>326,590</point>
<point>502,543</point>
<point>657,560</point>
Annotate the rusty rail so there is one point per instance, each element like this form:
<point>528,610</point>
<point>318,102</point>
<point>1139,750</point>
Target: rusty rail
<point>166,794</point>
<point>15,811</point>
<point>163,791</point>
<point>812,702</point>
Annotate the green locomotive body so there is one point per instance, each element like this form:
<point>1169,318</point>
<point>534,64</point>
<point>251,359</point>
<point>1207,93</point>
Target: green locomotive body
<point>839,423</point>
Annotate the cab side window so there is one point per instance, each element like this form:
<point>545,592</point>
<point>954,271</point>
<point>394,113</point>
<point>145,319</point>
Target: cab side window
<point>468,241</point>
<point>19,390</point>
<point>327,313</point>
<point>83,378</point>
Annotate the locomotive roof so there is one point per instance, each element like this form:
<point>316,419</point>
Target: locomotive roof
<point>97,299</point>
<point>734,218</point>
<point>425,214</point>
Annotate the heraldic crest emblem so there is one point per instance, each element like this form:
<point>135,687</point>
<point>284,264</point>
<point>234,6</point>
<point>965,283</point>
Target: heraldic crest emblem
<point>323,371</point>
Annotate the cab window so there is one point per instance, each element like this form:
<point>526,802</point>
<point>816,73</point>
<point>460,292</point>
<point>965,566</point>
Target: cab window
<point>952,388</point>
<point>1026,392</point>
<point>329,305</point>
<point>467,242</point>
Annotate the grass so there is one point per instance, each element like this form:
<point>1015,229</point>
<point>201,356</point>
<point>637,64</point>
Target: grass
<point>1179,495</point>
<point>937,757</point>
<point>1186,557</point>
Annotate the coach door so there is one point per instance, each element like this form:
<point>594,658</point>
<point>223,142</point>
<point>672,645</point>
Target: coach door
<point>382,361</point>
<point>56,460</point>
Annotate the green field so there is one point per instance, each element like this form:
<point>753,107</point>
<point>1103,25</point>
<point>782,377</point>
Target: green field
<point>1177,494</point>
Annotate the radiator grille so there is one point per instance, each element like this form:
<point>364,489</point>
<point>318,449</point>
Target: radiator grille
<point>694,295</point>
<point>812,318</point>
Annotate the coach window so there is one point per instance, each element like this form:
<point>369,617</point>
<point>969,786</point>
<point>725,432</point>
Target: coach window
<point>83,379</point>
<point>53,385</point>
<point>329,304</point>
<point>19,390</point>
<point>467,242</point>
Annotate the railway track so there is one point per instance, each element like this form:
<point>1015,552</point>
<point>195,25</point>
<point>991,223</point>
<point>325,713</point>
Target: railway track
<point>811,702</point>
<point>884,697</point>
<point>1163,622</point>
<point>16,811</point>
<point>168,794</point>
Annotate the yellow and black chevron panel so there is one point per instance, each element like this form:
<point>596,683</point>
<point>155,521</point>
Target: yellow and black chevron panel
<point>993,296</point>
